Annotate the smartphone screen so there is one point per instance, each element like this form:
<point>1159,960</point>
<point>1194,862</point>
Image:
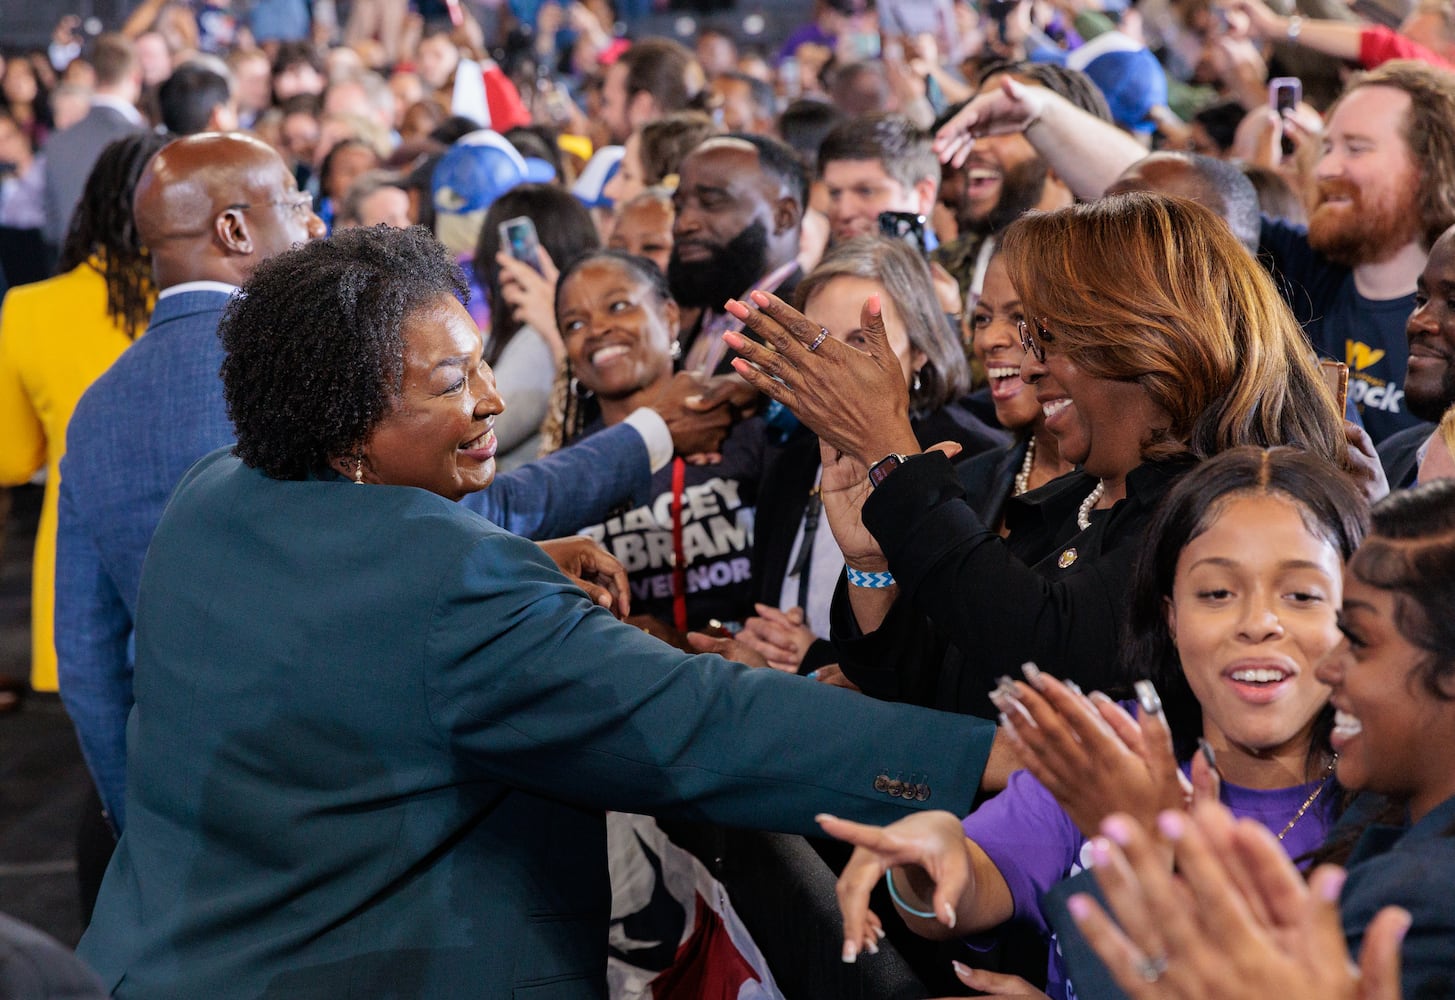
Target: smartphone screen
<point>906,226</point>
<point>518,238</point>
<point>1284,93</point>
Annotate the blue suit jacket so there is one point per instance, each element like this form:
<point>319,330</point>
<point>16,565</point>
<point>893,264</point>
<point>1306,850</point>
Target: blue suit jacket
<point>134,434</point>
<point>373,739</point>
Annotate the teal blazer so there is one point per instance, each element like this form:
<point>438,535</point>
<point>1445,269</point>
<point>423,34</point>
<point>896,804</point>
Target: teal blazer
<point>374,736</point>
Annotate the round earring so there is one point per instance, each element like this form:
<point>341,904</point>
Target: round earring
<point>915,383</point>
<point>578,390</point>
<point>359,470</point>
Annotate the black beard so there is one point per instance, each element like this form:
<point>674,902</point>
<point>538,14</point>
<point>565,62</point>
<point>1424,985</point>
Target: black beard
<point>1021,189</point>
<point>728,272</point>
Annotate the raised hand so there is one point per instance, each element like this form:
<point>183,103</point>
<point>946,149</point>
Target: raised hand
<point>1011,109</point>
<point>1089,753</point>
<point>531,295</point>
<point>1236,912</point>
<point>854,399</point>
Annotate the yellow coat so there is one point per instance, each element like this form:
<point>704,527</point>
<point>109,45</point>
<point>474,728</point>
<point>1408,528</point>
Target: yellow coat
<point>55,340</point>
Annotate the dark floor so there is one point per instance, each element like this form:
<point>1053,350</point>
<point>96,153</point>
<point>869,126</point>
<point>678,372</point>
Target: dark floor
<point>43,781</point>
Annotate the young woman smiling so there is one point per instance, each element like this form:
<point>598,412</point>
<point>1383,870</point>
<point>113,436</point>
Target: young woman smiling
<point>688,551</point>
<point>1393,682</point>
<point>1234,605</point>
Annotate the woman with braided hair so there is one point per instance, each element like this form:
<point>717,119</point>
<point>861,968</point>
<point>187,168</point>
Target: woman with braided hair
<point>56,338</point>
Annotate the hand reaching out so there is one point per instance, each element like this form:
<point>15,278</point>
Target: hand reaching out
<point>594,570</point>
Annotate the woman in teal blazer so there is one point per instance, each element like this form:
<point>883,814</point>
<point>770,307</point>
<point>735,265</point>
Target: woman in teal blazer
<point>374,734</point>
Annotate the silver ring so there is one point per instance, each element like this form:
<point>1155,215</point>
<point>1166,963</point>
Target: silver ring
<point>1151,969</point>
<point>823,334</point>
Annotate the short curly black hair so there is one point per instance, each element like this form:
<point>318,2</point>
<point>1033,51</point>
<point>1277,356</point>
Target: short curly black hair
<point>315,343</point>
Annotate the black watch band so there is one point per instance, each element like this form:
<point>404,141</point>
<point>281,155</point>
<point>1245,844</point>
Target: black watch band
<point>882,468</point>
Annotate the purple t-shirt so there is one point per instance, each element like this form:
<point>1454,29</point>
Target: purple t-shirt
<point>1034,843</point>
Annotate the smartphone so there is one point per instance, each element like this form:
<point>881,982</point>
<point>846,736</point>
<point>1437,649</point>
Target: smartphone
<point>518,238</point>
<point>1284,93</point>
<point>906,226</point>
<point>1336,377</point>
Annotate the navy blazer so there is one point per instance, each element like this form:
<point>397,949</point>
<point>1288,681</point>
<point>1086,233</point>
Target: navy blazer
<point>133,435</point>
<point>374,736</point>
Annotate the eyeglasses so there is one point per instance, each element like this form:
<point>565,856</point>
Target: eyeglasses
<point>1035,345</point>
<point>301,206</point>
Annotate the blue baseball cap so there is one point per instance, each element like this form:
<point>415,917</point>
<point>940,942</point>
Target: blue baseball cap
<point>1129,76</point>
<point>479,168</point>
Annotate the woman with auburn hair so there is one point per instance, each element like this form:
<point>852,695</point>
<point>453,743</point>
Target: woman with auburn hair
<point>1153,340</point>
<point>1175,304</point>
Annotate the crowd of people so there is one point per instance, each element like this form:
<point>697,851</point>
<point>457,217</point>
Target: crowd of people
<point>1016,439</point>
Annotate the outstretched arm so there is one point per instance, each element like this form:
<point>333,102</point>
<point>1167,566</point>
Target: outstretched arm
<point>1086,152</point>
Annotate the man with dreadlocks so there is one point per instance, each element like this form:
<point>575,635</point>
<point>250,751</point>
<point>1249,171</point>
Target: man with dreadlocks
<point>56,338</point>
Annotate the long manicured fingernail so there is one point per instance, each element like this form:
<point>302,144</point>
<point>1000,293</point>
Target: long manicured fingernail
<point>1118,830</point>
<point>874,305</point>
<point>880,931</point>
<point>1333,885</point>
<point>760,298</point>
<point>871,947</point>
<point>1024,713</point>
<point>1100,851</point>
<point>949,910</point>
<point>1033,675</point>
<point>850,954</point>
<point>962,970</point>
<point>1148,698</point>
<point>1173,824</point>
<point>1208,754</point>
<point>1405,920</point>
<point>1079,906</point>
<point>1072,686</point>
<point>824,817</point>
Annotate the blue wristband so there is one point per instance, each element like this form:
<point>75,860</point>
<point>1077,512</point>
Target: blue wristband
<point>894,895</point>
<point>869,581</point>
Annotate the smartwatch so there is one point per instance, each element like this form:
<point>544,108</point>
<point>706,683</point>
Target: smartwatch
<point>882,468</point>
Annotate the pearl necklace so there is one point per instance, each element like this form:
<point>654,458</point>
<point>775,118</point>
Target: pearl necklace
<point>1083,516</point>
<point>1311,799</point>
<point>1023,477</point>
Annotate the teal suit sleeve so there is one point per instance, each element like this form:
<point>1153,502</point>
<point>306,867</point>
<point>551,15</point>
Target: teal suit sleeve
<point>579,485</point>
<point>545,692</point>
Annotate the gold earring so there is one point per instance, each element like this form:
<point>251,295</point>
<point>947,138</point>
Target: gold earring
<point>359,470</point>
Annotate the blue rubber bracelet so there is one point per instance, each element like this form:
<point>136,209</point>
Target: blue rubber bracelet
<point>869,581</point>
<point>894,895</point>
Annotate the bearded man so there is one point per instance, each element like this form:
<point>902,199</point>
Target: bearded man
<point>739,205</point>
<point>1386,191</point>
